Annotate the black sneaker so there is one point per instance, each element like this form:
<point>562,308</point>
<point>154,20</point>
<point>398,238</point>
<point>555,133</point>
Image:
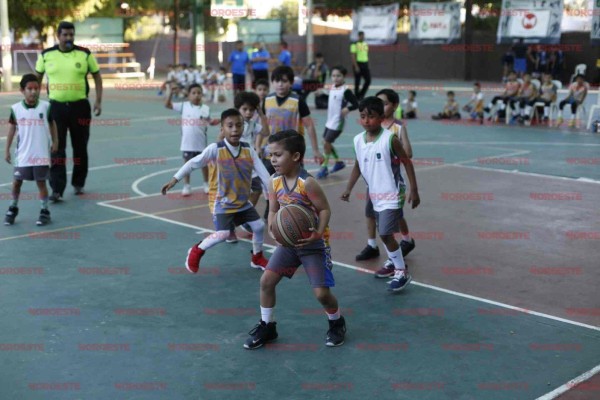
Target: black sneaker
<point>261,334</point>
<point>55,197</point>
<point>11,214</point>
<point>407,246</point>
<point>336,332</point>
<point>78,190</point>
<point>44,217</point>
<point>367,253</point>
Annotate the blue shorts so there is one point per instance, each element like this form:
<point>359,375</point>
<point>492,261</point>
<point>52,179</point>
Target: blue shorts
<point>315,258</point>
<point>520,65</point>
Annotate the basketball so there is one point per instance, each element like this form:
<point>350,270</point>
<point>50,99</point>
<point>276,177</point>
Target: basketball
<point>292,222</point>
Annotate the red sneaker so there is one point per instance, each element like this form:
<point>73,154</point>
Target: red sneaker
<point>192,262</point>
<point>258,261</point>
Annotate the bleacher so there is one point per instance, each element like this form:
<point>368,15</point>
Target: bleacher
<point>115,62</point>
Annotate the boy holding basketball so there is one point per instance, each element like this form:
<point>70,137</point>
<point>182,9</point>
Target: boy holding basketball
<point>292,185</point>
<point>234,162</point>
<point>378,157</point>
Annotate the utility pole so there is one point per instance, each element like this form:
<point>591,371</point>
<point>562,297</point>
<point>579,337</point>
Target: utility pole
<point>176,35</point>
<point>468,39</point>
<point>309,33</point>
<point>5,46</point>
<point>198,39</point>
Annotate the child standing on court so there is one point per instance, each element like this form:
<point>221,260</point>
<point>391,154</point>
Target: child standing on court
<point>234,162</point>
<point>409,109</point>
<point>36,134</point>
<point>378,157</point>
<point>195,118</point>
<point>341,101</point>
<point>291,184</point>
<point>407,244</point>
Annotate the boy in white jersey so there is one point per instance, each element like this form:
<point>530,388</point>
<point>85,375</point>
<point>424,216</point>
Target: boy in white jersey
<point>378,157</point>
<point>341,101</point>
<point>577,94</point>
<point>234,162</point>
<point>547,95</point>
<point>475,106</point>
<point>36,135</point>
<point>195,118</point>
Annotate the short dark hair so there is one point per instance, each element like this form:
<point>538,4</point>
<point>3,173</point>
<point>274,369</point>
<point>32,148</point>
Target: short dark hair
<point>319,55</point>
<point>262,82</point>
<point>477,84</point>
<point>195,85</point>
<point>342,70</point>
<point>391,95</point>
<point>413,93</point>
<point>281,72</point>
<point>239,41</point>
<point>26,79</point>
<point>291,140</point>
<point>230,112</point>
<point>64,25</point>
<point>450,93</point>
<point>371,104</point>
<point>284,44</point>
<point>580,76</point>
<point>249,98</point>
<point>361,33</point>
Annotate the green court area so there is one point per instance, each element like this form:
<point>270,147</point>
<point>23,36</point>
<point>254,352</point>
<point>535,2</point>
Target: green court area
<point>503,304</point>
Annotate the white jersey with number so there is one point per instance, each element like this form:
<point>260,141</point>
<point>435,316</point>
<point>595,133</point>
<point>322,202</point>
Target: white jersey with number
<point>32,135</point>
<point>335,121</point>
<point>194,125</point>
<point>380,169</point>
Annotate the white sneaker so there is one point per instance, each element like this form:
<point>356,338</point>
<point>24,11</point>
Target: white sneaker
<point>187,190</point>
<point>205,188</point>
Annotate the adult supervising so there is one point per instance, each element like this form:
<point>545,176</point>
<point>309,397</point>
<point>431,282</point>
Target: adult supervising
<point>359,51</point>
<point>67,66</point>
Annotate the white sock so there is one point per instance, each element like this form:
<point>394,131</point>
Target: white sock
<point>372,243</point>
<point>559,113</point>
<point>527,110</point>
<point>266,314</point>
<point>546,111</point>
<point>333,317</point>
<point>258,229</point>
<point>397,259</point>
<point>406,237</point>
<point>213,239</point>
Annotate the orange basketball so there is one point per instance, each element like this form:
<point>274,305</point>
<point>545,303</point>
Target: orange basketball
<point>292,222</point>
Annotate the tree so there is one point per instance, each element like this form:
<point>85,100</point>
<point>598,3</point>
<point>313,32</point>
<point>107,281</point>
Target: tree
<point>43,14</point>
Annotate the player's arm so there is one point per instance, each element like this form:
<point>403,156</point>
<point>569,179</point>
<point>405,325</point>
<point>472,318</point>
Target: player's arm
<point>273,207</point>
<point>54,135</point>
<point>264,122</point>
<point>351,100</point>
<point>413,196</point>
<point>201,160</point>
<point>9,139</point>
<point>262,172</point>
<point>405,141</point>
<point>319,200</point>
<point>353,57</point>
<point>585,91</point>
<point>354,175</point>
<point>98,84</point>
<point>168,101</point>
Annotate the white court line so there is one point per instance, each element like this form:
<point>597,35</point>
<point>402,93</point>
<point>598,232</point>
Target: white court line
<point>134,185</point>
<point>571,384</point>
<point>354,267</point>
<point>516,172</point>
<point>108,166</point>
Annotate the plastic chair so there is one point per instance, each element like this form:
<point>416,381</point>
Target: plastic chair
<point>579,70</point>
<point>592,110</point>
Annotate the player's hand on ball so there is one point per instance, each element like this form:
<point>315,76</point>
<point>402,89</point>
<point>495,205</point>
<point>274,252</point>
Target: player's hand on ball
<point>314,236</point>
<point>414,199</point>
<point>345,196</point>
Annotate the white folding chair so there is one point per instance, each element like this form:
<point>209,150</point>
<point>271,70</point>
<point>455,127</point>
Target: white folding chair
<point>592,110</point>
<point>579,69</point>
<point>554,105</point>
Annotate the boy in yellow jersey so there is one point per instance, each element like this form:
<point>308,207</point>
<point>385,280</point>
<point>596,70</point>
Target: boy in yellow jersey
<point>291,184</point>
<point>234,161</point>
<point>285,110</point>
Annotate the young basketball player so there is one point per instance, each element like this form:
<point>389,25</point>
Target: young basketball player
<point>291,184</point>
<point>376,150</point>
<point>234,162</point>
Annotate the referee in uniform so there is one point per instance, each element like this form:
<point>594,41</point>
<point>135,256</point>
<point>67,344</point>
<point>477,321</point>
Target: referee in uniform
<point>359,52</point>
<point>67,66</point>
